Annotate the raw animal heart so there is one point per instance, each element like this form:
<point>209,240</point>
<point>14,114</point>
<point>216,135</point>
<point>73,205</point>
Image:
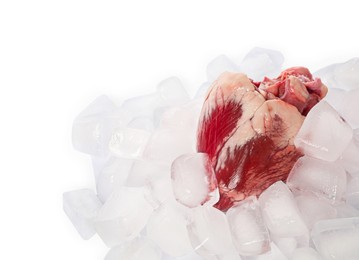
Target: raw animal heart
<point>247,129</point>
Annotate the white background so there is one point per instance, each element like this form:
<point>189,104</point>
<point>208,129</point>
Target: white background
<point>57,56</point>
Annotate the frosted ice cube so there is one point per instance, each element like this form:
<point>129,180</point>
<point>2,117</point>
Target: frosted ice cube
<point>166,144</point>
<point>112,176</point>
<point>128,142</point>
<point>260,62</point>
<point>324,134</point>
<point>82,206</point>
<point>352,194</point>
<point>337,238</point>
<point>98,163</point>
<point>305,253</point>
<point>325,179</point>
<point>313,209</point>
<point>209,232</point>
<point>193,180</point>
<point>167,228</point>
<point>138,249</point>
<point>88,134</point>
<point>123,216</point>
<point>350,107</point>
<point>219,65</point>
<point>172,91</point>
<point>143,105</point>
<point>249,233</point>
<point>280,211</point>
<point>144,171</point>
<point>143,123</point>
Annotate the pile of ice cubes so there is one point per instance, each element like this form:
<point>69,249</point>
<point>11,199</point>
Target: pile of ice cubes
<point>155,194</point>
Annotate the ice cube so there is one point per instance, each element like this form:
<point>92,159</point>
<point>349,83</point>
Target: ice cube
<point>172,92</point>
<point>88,134</point>
<point>313,209</point>
<point>325,179</point>
<point>190,256</point>
<point>143,123</point>
<point>98,163</point>
<point>324,133</point>
<point>337,238</point>
<point>166,144</point>
<point>160,191</point>
<point>138,249</point>
<point>280,211</point>
<point>273,254</point>
<point>335,98</point>
<point>249,233</point>
<point>193,180</point>
<point>202,90</point>
<point>345,210</point>
<point>82,206</point>
<point>260,62</point>
<point>143,105</point>
<point>286,245</point>
<point>305,253</point>
<point>219,65</point>
<point>143,172</point>
<point>209,232</point>
<point>128,142</point>
<point>341,75</point>
<point>352,194</point>
<point>185,117</point>
<point>167,228</point>
<point>123,216</point>
<point>350,157</point>
<point>350,107</point>
<point>112,176</point>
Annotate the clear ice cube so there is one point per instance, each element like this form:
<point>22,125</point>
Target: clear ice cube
<point>167,228</point>
<point>193,180</point>
<point>305,253</point>
<point>82,206</point>
<point>350,107</point>
<point>325,179</point>
<point>143,105</point>
<point>314,209</point>
<point>143,123</point>
<point>166,144</point>
<point>352,193</point>
<point>280,211</point>
<point>123,216</point>
<point>139,249</point>
<point>249,233</point>
<point>112,176</point>
<point>143,172</point>
<point>337,238</point>
<point>128,142</point>
<point>88,130</point>
<point>324,133</point>
<point>209,232</point>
